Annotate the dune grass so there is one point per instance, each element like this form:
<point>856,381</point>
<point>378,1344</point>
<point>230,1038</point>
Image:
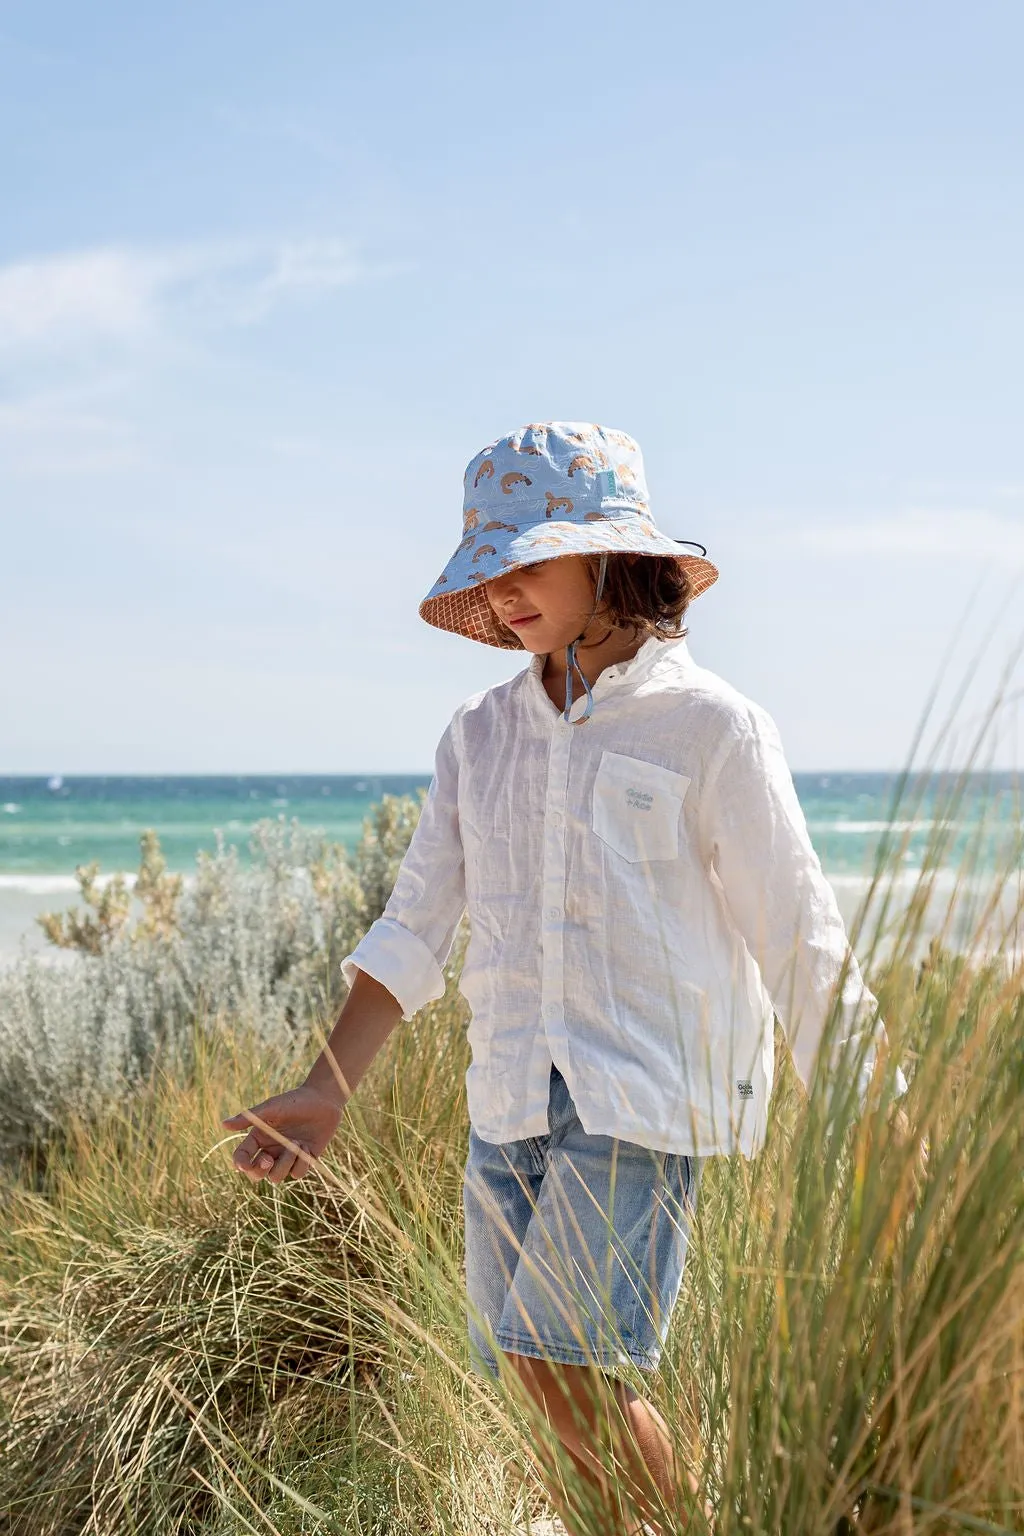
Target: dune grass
<point>185,1353</point>
<point>182,1354</point>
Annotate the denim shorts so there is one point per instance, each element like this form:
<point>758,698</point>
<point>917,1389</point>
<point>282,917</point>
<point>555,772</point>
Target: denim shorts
<point>575,1244</point>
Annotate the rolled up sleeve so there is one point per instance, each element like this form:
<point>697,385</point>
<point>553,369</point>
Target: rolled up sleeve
<point>411,940</point>
<point>757,840</point>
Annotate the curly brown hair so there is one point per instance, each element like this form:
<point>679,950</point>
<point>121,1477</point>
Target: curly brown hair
<point>648,594</point>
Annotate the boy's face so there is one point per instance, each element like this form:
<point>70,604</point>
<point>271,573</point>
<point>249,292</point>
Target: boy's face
<point>557,596</point>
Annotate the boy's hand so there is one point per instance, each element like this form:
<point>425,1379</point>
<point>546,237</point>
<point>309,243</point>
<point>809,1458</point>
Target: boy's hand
<point>296,1127</point>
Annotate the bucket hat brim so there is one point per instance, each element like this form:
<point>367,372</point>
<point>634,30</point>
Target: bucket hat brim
<point>458,603</point>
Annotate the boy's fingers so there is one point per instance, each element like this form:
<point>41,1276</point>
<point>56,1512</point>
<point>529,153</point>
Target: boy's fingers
<point>252,1157</point>
<point>237,1122</point>
<point>303,1163</point>
<point>282,1167</point>
<point>265,1152</point>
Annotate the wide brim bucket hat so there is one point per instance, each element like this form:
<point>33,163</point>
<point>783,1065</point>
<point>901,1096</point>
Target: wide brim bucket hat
<point>549,489</point>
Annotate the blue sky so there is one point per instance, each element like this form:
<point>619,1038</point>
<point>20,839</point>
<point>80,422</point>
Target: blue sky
<point>271,275</point>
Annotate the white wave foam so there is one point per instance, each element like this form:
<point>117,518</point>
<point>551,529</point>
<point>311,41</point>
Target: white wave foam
<point>944,879</point>
<point>858,828</point>
<point>52,885</point>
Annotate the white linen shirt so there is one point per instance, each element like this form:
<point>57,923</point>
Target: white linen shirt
<point>643,895</point>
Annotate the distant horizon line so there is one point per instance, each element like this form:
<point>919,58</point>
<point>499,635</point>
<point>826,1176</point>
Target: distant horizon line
<point>402,773</point>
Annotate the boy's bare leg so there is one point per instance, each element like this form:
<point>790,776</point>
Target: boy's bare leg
<point>577,1401</point>
<point>649,1434</point>
<point>591,1497</point>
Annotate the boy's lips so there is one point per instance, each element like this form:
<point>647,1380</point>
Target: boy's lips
<point>526,619</point>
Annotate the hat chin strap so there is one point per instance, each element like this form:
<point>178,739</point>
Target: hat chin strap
<point>572,664</point>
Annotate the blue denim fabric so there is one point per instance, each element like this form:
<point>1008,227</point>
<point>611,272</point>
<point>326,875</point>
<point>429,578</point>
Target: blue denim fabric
<point>575,1244</point>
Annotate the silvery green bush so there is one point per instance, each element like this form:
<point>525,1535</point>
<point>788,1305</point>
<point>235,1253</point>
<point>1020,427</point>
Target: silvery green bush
<point>252,946</point>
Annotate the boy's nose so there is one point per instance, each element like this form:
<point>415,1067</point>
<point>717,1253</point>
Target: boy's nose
<point>502,589</point>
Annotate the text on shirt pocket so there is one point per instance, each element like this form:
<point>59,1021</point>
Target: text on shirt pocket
<point>636,807</point>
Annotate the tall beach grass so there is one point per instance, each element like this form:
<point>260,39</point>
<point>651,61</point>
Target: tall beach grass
<point>181,1352</point>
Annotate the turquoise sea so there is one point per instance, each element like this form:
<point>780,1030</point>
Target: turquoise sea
<point>49,825</point>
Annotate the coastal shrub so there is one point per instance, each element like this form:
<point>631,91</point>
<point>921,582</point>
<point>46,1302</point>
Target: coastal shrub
<point>108,907</point>
<point>107,910</point>
<point>258,946</point>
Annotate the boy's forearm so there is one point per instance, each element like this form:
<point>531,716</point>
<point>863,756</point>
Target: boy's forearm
<point>366,1020</point>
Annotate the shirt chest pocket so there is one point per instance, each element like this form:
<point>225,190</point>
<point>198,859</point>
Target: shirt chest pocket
<point>636,807</point>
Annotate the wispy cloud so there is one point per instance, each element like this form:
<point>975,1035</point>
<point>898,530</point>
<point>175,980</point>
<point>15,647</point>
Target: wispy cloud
<point>122,295</point>
<point>965,535</point>
<point>64,433</point>
<point>80,334</point>
<point>91,294</point>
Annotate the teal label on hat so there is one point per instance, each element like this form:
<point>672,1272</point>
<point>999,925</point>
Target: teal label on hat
<point>606,482</point>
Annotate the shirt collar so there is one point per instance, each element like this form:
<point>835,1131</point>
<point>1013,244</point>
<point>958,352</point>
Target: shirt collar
<point>632,672</point>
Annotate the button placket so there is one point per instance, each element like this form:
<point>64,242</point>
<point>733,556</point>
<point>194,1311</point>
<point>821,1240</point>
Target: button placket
<point>551,939</point>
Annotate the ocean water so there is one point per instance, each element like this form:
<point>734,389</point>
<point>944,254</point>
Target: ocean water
<point>48,826</point>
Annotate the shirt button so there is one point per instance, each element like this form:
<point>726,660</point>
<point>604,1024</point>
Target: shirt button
<point>550,1009</point>
<point>554,912</point>
<point>556,817</point>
